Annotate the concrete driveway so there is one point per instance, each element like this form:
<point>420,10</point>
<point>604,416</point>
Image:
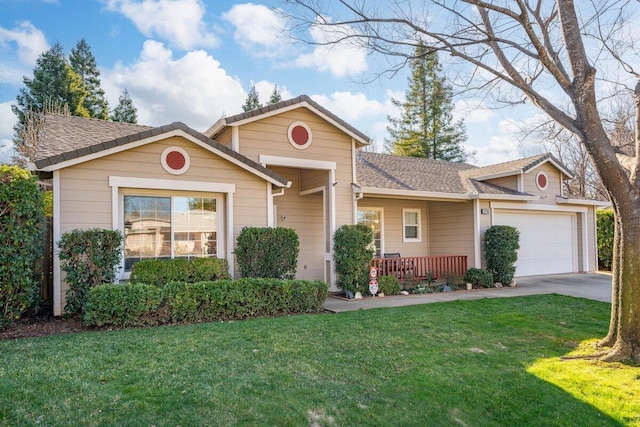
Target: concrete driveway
<point>595,286</point>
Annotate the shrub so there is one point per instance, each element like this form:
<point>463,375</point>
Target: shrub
<point>162,271</point>
<point>479,278</point>
<point>501,252</point>
<point>388,285</point>
<point>352,253</point>
<point>131,304</point>
<point>454,280</point>
<point>605,221</point>
<point>139,304</point>
<point>21,242</point>
<point>89,258</point>
<point>267,252</point>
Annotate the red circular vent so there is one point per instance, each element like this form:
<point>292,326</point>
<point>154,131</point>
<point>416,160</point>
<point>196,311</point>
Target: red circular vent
<point>541,180</point>
<point>176,160</point>
<point>299,135</point>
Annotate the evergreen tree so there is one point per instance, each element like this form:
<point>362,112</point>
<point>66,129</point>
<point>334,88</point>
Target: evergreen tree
<point>276,96</point>
<point>125,111</point>
<point>83,63</point>
<point>252,102</point>
<point>54,83</point>
<point>425,127</point>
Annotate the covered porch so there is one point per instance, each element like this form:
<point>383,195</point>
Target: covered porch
<point>421,238</point>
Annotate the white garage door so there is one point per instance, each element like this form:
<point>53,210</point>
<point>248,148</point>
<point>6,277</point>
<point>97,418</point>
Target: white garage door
<point>547,241</point>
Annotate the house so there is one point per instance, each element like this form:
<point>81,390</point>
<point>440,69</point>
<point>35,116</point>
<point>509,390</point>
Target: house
<point>173,191</point>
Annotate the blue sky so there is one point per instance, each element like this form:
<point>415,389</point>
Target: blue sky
<point>194,61</point>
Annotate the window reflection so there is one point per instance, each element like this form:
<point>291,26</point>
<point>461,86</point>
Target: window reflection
<point>165,227</point>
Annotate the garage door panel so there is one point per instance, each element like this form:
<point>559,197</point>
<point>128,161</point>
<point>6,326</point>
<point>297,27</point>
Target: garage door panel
<point>547,241</point>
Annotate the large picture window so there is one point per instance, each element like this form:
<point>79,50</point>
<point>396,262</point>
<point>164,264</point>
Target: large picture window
<point>372,218</point>
<point>160,227</point>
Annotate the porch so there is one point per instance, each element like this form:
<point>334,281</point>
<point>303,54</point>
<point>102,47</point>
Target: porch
<point>420,267</point>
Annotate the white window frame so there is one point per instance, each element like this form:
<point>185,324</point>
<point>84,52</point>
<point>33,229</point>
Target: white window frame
<point>406,239</point>
<point>120,184</point>
<point>381,212</point>
<point>171,195</point>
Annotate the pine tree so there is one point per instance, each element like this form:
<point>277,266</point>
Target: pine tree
<point>83,63</point>
<point>276,96</point>
<point>425,127</point>
<point>54,83</point>
<point>252,102</point>
<point>125,111</point>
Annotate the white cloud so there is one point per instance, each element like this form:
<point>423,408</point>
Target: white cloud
<point>504,144</point>
<point>265,88</point>
<point>258,29</point>
<point>29,40</point>
<point>180,22</point>
<point>344,58</point>
<point>193,89</point>
<point>7,121</point>
<point>351,107</point>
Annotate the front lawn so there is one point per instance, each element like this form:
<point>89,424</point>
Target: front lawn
<point>492,362</point>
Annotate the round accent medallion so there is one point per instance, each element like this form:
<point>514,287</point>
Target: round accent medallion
<point>299,135</point>
<point>542,181</point>
<point>175,160</point>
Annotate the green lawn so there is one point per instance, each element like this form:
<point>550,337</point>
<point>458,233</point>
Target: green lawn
<point>492,362</point>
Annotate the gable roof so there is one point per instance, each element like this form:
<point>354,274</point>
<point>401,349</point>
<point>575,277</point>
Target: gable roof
<point>67,140</point>
<point>289,104</point>
<point>396,175</point>
<point>515,167</point>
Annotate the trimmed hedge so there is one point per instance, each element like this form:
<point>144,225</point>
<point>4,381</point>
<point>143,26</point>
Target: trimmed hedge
<point>605,222</point>
<point>136,304</point>
<point>388,285</point>
<point>479,277</point>
<point>352,253</point>
<point>501,252</point>
<point>133,304</point>
<point>21,242</point>
<point>89,258</point>
<point>159,272</point>
<point>268,252</point>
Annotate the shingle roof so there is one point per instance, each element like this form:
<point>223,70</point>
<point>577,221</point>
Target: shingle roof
<point>515,166</point>
<point>63,134</point>
<point>66,138</point>
<point>288,103</point>
<point>419,174</point>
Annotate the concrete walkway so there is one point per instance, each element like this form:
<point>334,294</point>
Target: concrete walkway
<point>594,286</point>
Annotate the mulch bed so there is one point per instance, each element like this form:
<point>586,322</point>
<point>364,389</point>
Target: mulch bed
<point>40,326</point>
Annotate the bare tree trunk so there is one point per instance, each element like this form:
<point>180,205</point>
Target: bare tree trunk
<point>626,319</point>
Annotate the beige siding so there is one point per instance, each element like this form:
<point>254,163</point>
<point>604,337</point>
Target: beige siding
<point>510,182</point>
<point>554,186</point>
<point>225,137</point>
<point>269,136</point>
<point>392,231</point>
<point>305,215</point>
<point>451,229</point>
<point>86,197</point>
